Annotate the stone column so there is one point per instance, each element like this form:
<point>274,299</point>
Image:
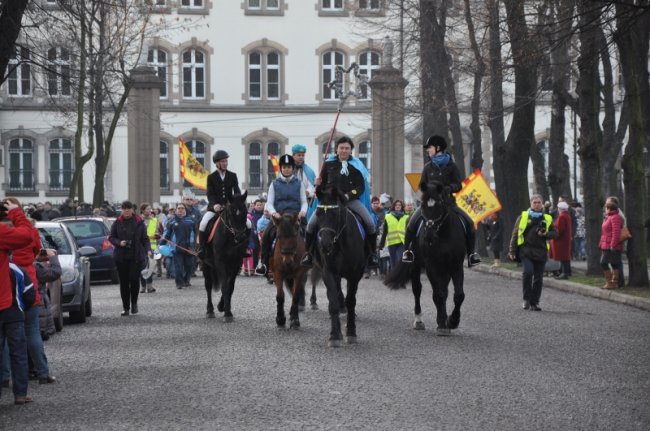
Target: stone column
<point>143,156</point>
<point>388,141</point>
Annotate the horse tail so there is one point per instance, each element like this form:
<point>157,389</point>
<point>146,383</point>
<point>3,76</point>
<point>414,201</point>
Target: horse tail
<point>399,275</point>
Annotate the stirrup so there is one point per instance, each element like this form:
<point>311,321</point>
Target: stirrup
<point>261,269</point>
<point>407,256</point>
<point>373,261</point>
<point>473,260</point>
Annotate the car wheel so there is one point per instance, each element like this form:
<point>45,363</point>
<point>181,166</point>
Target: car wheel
<point>80,315</point>
<point>58,321</point>
<point>89,305</point>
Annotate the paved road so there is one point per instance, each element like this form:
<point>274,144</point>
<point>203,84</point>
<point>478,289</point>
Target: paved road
<point>582,363</point>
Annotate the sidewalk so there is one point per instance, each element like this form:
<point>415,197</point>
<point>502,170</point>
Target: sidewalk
<point>571,287</point>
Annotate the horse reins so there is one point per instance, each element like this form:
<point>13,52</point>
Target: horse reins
<point>337,234</point>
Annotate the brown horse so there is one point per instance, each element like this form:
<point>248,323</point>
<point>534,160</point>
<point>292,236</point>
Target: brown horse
<point>285,265</point>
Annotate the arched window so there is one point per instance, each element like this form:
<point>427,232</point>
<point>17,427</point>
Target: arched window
<point>157,58</point>
<point>164,166</point>
<point>369,62</point>
<point>330,60</point>
<point>61,164</point>
<point>365,154</point>
<point>19,81</point>
<point>332,148</point>
<point>264,67</point>
<point>58,74</point>
<point>255,174</point>
<point>197,149</point>
<point>272,148</point>
<point>193,74</point>
<point>21,165</point>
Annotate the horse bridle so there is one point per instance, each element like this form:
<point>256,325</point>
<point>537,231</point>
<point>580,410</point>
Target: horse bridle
<point>337,234</point>
<point>241,233</point>
<point>436,222</point>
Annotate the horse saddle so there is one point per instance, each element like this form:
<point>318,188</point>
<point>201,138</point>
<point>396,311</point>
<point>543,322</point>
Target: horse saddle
<point>212,228</point>
<point>357,218</point>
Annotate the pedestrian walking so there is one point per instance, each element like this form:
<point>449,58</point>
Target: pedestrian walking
<point>561,246</point>
<point>181,234</point>
<point>529,243</point>
<point>132,247</point>
<point>393,233</point>
<point>610,245</point>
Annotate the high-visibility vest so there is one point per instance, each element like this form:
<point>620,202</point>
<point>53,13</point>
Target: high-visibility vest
<point>523,224</point>
<point>396,229</point>
<point>152,230</point>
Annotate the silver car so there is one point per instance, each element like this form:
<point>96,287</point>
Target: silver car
<point>75,269</point>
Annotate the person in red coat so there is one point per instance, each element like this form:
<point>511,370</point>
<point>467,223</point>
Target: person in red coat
<point>610,244</point>
<point>561,246</point>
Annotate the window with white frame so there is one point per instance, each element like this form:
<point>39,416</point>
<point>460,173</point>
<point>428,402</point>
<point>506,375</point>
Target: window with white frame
<point>332,149</point>
<point>370,5</point>
<point>193,74</point>
<point>197,149</point>
<point>157,58</point>
<point>332,5</point>
<point>330,60</point>
<point>58,73</point>
<point>369,62</point>
<point>19,80</point>
<point>260,174</point>
<point>164,166</point>
<point>21,164</point>
<point>264,75</point>
<point>365,154</point>
<point>264,7</point>
<point>192,4</point>
<point>61,164</point>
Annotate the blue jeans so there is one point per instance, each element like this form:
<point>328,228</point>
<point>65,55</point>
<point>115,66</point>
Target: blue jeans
<point>532,279</point>
<point>13,334</point>
<point>183,266</point>
<point>395,252</point>
<point>169,266</point>
<point>35,342</point>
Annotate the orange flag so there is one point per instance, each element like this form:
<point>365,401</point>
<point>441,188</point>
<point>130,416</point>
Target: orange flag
<point>191,169</point>
<point>276,164</point>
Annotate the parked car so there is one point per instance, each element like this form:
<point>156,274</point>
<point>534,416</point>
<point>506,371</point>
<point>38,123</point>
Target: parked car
<point>75,268</point>
<point>94,232</point>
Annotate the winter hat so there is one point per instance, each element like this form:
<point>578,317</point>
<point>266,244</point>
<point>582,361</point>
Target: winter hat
<point>562,206</point>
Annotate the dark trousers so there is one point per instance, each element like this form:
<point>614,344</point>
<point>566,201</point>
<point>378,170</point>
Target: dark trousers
<point>183,267</point>
<point>566,267</point>
<point>532,279</point>
<point>12,336</point>
<point>129,274</point>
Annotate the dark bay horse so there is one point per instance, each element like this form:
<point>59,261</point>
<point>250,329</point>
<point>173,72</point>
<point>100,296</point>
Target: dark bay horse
<point>226,254</point>
<point>287,270</point>
<point>440,250</point>
<point>341,253</point>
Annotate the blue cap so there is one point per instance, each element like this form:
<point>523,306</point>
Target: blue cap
<point>298,149</point>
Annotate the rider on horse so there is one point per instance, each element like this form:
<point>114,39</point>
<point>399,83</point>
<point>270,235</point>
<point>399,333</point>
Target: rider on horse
<point>286,196</point>
<point>349,176</point>
<point>441,169</point>
<point>222,187</point>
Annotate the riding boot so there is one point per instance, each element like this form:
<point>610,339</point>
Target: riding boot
<point>308,259</point>
<point>203,239</point>
<point>473,258</point>
<point>408,256</point>
<point>371,243</point>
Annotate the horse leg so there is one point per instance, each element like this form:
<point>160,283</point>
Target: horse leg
<point>351,303</point>
<point>280,318</point>
<point>341,298</point>
<point>301,295</point>
<point>440,291</point>
<point>227,296</point>
<point>314,281</point>
<point>207,282</point>
<point>333,288</point>
<point>458,278</point>
<point>416,286</point>
<point>298,287</point>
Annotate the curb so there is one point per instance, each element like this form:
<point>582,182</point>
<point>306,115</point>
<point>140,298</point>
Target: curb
<point>576,288</point>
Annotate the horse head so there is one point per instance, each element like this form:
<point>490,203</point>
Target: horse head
<point>288,232</point>
<point>234,218</point>
<point>331,217</point>
<point>434,210</point>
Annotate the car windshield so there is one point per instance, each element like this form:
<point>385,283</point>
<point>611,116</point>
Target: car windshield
<point>84,229</point>
<point>54,237</point>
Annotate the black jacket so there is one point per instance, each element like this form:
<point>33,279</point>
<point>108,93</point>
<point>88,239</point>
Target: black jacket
<point>221,192</point>
<point>139,240</point>
<point>449,175</point>
<point>352,184</point>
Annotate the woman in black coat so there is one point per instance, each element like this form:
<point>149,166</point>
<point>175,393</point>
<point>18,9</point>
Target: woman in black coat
<point>494,226</point>
<point>129,237</point>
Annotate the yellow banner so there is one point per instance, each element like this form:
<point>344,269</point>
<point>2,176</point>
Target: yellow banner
<point>477,199</point>
<point>191,169</point>
<point>275,164</point>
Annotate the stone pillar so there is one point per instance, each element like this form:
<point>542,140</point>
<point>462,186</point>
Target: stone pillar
<point>143,156</point>
<point>388,141</point>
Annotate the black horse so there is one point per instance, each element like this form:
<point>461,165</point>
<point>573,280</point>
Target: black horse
<point>226,254</point>
<point>440,250</point>
<point>341,253</point>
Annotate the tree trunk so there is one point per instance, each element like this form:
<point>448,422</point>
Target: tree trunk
<point>11,17</point>
<point>539,170</point>
<point>590,140</point>
<point>476,161</point>
<point>512,176</point>
<point>632,36</point>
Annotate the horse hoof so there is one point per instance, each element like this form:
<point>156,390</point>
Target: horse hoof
<point>351,339</point>
<point>210,315</point>
<point>453,323</point>
<point>281,321</point>
<point>220,307</point>
<point>228,319</point>
<point>295,324</point>
<point>443,332</point>
<point>314,306</point>
<point>333,343</point>
<point>418,325</point>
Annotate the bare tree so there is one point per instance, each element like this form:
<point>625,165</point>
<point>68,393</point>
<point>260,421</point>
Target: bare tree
<point>479,73</point>
<point>11,16</point>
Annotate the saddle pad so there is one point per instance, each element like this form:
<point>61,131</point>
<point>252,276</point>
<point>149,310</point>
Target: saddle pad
<point>213,230</point>
<point>362,231</point>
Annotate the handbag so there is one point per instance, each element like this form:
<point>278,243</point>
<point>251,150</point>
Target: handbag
<point>625,234</point>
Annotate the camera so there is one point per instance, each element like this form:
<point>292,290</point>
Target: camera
<point>129,243</point>
<point>541,229</point>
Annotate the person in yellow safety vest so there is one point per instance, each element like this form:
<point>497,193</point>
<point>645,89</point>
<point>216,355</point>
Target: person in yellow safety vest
<point>529,243</point>
<point>394,230</point>
<point>153,232</point>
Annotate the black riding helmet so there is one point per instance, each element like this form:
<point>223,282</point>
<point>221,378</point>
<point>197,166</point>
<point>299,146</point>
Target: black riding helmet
<point>287,160</point>
<point>436,141</point>
<point>219,155</point>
